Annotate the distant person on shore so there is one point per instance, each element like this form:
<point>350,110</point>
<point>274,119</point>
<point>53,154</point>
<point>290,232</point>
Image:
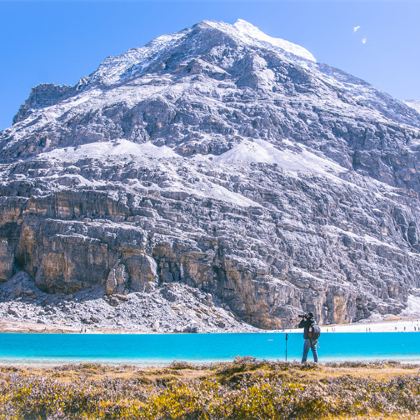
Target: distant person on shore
<point>311,333</point>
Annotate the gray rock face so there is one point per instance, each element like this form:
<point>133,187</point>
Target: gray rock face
<point>6,260</point>
<point>224,160</point>
<point>117,280</point>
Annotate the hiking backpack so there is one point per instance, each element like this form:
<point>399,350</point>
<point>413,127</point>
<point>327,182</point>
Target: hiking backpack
<point>314,332</point>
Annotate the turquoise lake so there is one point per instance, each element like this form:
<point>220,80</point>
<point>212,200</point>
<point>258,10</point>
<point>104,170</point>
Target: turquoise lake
<point>164,348</point>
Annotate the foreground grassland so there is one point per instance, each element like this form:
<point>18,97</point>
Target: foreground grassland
<point>244,389</point>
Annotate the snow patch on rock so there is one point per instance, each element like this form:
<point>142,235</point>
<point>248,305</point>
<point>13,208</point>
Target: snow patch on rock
<point>413,104</point>
<point>295,160</point>
<point>108,149</point>
<point>160,156</point>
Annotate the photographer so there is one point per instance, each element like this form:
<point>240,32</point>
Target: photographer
<point>311,333</point>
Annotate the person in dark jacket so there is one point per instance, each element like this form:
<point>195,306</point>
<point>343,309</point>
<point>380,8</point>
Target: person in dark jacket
<point>307,323</point>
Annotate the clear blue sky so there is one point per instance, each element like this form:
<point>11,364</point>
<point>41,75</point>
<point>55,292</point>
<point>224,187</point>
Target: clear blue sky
<point>60,41</point>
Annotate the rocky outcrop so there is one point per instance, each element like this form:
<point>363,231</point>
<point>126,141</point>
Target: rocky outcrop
<point>40,97</point>
<point>117,280</point>
<point>6,260</point>
<point>219,164</point>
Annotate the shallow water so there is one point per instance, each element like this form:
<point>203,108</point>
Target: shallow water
<point>164,348</point>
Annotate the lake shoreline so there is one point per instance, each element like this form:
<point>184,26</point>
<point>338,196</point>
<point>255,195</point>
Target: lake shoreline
<point>394,325</point>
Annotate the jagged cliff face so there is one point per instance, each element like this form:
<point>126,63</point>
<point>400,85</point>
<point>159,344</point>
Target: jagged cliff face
<point>225,160</point>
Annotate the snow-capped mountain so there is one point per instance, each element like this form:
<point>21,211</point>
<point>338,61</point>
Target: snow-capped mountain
<point>220,160</point>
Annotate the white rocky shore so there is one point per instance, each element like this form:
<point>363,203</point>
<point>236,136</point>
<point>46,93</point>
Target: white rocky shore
<point>389,325</point>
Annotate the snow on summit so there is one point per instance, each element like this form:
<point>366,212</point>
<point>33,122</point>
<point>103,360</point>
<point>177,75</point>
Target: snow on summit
<point>251,31</point>
<point>249,34</point>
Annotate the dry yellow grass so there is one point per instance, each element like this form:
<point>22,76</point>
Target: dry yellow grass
<point>245,389</point>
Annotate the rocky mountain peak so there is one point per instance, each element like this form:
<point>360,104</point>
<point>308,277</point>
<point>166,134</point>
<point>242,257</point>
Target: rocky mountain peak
<point>212,41</point>
<point>220,159</point>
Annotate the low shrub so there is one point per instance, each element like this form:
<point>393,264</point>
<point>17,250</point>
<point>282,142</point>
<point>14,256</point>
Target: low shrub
<point>244,389</point>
